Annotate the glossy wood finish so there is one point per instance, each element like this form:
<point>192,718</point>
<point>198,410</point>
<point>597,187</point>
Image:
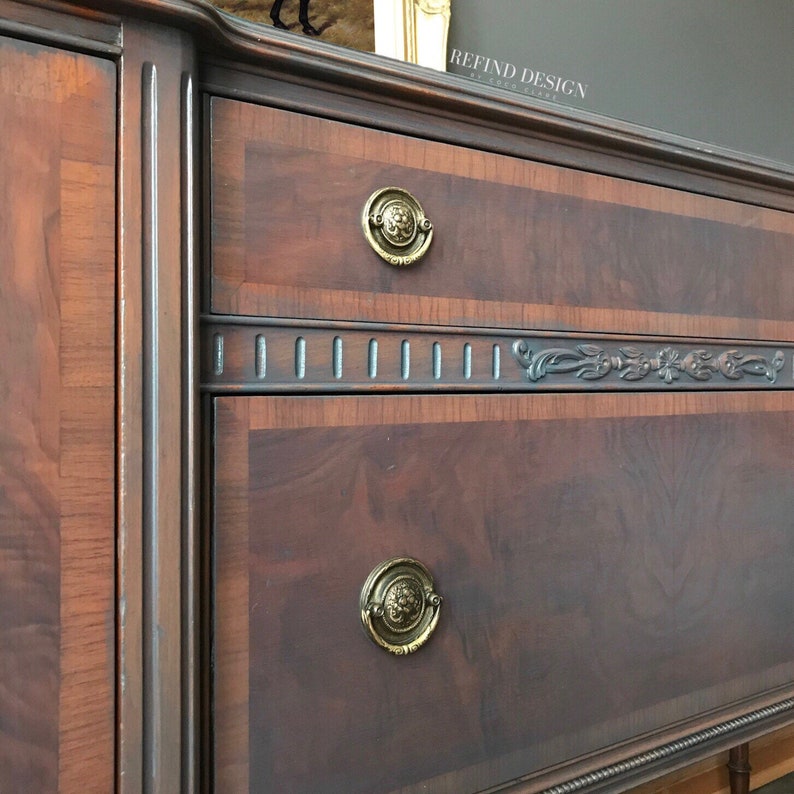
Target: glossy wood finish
<point>588,548</point>
<point>515,243</point>
<point>62,24</point>
<point>307,74</point>
<point>57,294</point>
<point>462,112</point>
<point>634,195</point>
<point>518,244</point>
<point>157,490</point>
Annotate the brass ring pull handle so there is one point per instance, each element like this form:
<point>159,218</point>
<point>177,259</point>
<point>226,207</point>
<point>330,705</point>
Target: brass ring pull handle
<point>399,607</point>
<point>395,226</point>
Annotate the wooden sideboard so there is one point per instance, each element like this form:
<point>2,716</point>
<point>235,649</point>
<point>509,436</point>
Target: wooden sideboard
<point>224,410</point>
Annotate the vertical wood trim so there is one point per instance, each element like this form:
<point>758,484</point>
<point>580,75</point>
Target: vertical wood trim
<point>129,751</point>
<point>155,393</point>
<point>152,737</point>
<point>190,435</point>
<point>204,571</point>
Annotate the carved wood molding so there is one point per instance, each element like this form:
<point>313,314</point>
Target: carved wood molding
<point>630,363</point>
<point>597,779</point>
<point>396,83</point>
<point>252,355</point>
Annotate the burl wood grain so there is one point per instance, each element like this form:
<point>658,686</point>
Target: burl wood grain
<point>611,565</point>
<point>515,243</point>
<point>57,262</point>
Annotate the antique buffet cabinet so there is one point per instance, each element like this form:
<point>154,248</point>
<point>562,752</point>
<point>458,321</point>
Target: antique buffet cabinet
<point>365,431</point>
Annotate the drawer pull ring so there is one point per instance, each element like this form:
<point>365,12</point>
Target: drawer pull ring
<point>399,606</point>
<point>395,226</point>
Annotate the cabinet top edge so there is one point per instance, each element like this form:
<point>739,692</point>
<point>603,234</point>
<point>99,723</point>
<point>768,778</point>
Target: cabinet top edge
<point>254,46</point>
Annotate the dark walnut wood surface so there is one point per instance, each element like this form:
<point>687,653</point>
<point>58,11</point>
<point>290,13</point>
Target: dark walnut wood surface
<point>516,243</point>
<point>612,565</point>
<point>616,566</point>
<point>57,276</point>
<point>604,558</point>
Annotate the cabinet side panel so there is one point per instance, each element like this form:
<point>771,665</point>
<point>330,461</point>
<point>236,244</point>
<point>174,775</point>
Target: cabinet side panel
<point>57,277</point>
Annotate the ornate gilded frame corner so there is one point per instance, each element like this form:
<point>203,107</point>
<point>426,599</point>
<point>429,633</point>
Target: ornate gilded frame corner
<point>413,30</point>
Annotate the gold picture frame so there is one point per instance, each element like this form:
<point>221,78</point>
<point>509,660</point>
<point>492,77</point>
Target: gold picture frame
<point>408,30</point>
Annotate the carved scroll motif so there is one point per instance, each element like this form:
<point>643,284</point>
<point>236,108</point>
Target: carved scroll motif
<point>591,362</point>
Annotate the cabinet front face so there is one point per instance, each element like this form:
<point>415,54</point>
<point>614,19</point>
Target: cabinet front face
<point>585,440</point>
<point>57,318</point>
<point>610,565</point>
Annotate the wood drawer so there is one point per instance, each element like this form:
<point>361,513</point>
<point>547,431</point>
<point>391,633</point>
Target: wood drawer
<point>613,553</point>
<point>615,569</point>
<point>516,243</point>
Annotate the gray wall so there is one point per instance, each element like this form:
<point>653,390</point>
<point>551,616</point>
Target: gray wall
<point>718,71</point>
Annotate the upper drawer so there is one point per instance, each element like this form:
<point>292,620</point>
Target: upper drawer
<point>516,243</point>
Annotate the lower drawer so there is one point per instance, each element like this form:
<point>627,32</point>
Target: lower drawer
<point>615,571</point>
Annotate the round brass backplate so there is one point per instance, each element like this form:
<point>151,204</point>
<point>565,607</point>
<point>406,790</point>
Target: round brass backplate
<point>399,608</point>
<point>395,226</point>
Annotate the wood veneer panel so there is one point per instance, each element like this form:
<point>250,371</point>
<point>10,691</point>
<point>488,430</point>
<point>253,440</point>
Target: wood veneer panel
<point>230,557</point>
<point>515,242</point>
<point>604,560</point>
<point>57,277</point>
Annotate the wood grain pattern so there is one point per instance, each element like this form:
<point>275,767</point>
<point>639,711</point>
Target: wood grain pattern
<point>230,686</point>
<point>433,109</point>
<point>57,220</point>
<point>515,242</point>
<point>61,24</point>
<point>590,596</point>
